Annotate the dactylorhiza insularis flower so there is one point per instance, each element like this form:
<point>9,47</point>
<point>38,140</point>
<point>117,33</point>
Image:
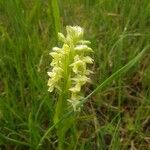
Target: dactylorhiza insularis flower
<point>70,64</point>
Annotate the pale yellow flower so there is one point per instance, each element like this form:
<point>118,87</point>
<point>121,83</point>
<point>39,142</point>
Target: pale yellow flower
<point>83,48</point>
<point>76,88</point>
<point>55,76</point>
<point>88,60</point>
<point>78,67</point>
<point>74,104</point>
<point>70,64</point>
<point>74,34</point>
<point>79,81</point>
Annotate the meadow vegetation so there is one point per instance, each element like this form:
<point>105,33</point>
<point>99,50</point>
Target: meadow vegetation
<point>116,109</point>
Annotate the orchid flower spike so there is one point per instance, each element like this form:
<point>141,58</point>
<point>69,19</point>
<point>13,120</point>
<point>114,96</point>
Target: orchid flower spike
<point>70,65</point>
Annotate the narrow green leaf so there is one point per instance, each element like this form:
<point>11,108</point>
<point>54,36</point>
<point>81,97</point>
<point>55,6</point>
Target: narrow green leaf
<point>56,15</point>
<point>14,140</point>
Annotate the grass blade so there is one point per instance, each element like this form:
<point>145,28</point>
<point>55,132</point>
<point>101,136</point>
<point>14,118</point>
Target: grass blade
<point>15,141</point>
<point>56,16</point>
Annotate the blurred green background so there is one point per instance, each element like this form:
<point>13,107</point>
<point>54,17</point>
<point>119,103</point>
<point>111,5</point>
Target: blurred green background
<point>117,118</point>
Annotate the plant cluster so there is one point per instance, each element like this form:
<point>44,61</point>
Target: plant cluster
<point>70,65</point>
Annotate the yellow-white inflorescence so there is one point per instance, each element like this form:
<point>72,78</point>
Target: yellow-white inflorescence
<point>71,62</point>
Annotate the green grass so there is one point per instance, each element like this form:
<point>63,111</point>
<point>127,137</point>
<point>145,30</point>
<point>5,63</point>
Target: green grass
<point>118,116</point>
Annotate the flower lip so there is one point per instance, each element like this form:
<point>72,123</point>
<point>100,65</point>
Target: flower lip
<point>83,48</point>
<point>56,49</point>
